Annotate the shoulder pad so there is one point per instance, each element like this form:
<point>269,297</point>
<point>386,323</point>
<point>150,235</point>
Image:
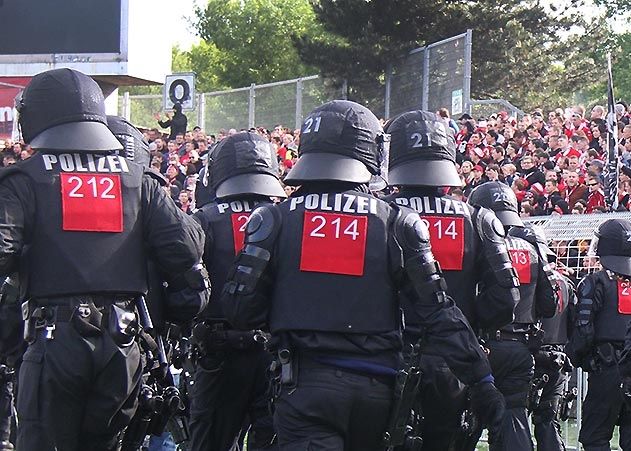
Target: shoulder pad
<point>409,228</point>
<point>9,171</point>
<point>524,233</point>
<point>586,286</point>
<point>488,226</point>
<point>157,176</point>
<point>264,222</point>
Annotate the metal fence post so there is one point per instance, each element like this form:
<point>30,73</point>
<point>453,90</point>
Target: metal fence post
<point>299,88</point>
<point>425,98</point>
<point>468,44</point>
<point>201,111</point>
<point>345,89</point>
<point>127,106</point>
<point>386,107</point>
<point>252,106</point>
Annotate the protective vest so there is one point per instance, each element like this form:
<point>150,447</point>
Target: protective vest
<point>610,322</point>
<point>224,223</point>
<point>87,235</point>
<point>332,269</point>
<point>556,328</point>
<point>455,244</point>
<point>526,263</point>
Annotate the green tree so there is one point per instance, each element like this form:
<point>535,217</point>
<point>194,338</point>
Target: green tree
<point>248,41</point>
<point>522,52</point>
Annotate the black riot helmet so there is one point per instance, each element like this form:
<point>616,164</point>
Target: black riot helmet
<point>340,141</point>
<point>135,147</point>
<point>244,163</point>
<point>613,245</point>
<point>498,197</point>
<point>536,236</point>
<point>422,151</point>
<point>64,110</point>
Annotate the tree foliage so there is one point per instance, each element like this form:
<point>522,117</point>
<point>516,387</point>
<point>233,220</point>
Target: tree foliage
<point>249,41</point>
<point>522,52</point>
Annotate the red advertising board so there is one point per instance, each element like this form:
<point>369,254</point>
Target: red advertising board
<point>9,89</point>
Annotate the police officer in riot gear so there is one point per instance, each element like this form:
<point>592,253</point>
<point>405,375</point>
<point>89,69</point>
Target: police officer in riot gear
<point>78,223</point>
<point>467,241</point>
<point>596,345</point>
<point>231,381</point>
<point>12,348</point>
<point>510,346</point>
<point>552,366</point>
<point>324,271</point>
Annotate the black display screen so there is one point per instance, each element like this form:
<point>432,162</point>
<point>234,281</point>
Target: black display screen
<point>59,26</point>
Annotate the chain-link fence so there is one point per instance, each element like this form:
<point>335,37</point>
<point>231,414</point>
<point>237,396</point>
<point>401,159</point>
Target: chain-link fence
<point>429,78</point>
<point>569,237</point>
<point>485,108</point>
<point>266,105</point>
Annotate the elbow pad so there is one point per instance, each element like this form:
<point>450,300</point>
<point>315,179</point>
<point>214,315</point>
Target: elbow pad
<point>421,267</point>
<point>260,236</point>
<point>195,278</point>
<point>586,291</point>
<point>491,232</point>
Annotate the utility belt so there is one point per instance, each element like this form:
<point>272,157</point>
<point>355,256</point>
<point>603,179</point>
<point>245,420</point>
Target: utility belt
<point>212,337</point>
<point>503,335</point>
<point>115,315</point>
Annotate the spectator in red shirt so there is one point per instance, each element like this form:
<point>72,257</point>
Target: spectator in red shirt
<point>596,196</point>
<point>579,124</point>
<point>575,189</point>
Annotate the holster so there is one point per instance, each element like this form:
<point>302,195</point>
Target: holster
<point>122,325</point>
<point>87,320</point>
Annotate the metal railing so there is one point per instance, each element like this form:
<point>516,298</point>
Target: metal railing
<point>429,78</point>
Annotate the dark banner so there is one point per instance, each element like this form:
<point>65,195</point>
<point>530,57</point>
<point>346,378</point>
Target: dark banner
<point>611,169</point>
<point>68,26</point>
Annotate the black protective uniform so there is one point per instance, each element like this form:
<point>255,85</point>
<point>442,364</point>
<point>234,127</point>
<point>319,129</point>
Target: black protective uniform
<point>510,346</point>
<point>596,345</point>
<point>12,348</point>
<point>78,222</point>
<point>467,241</point>
<point>324,271</point>
<point>469,244</point>
<point>231,390</point>
<point>552,362</point>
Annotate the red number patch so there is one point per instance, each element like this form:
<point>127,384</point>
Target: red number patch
<point>239,223</point>
<point>91,203</point>
<point>333,243</point>
<point>447,238</point>
<point>624,297</point>
<point>521,263</point>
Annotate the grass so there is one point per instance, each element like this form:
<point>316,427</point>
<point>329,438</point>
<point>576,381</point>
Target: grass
<point>569,432</point>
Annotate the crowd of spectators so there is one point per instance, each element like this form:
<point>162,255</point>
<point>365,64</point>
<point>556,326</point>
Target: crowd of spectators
<point>553,161</point>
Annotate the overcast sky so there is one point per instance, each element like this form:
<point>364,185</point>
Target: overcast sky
<point>182,11</point>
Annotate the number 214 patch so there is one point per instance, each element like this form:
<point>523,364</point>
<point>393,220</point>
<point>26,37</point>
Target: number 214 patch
<point>333,243</point>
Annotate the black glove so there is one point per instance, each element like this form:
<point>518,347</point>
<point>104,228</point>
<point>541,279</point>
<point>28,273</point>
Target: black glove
<point>488,405</point>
